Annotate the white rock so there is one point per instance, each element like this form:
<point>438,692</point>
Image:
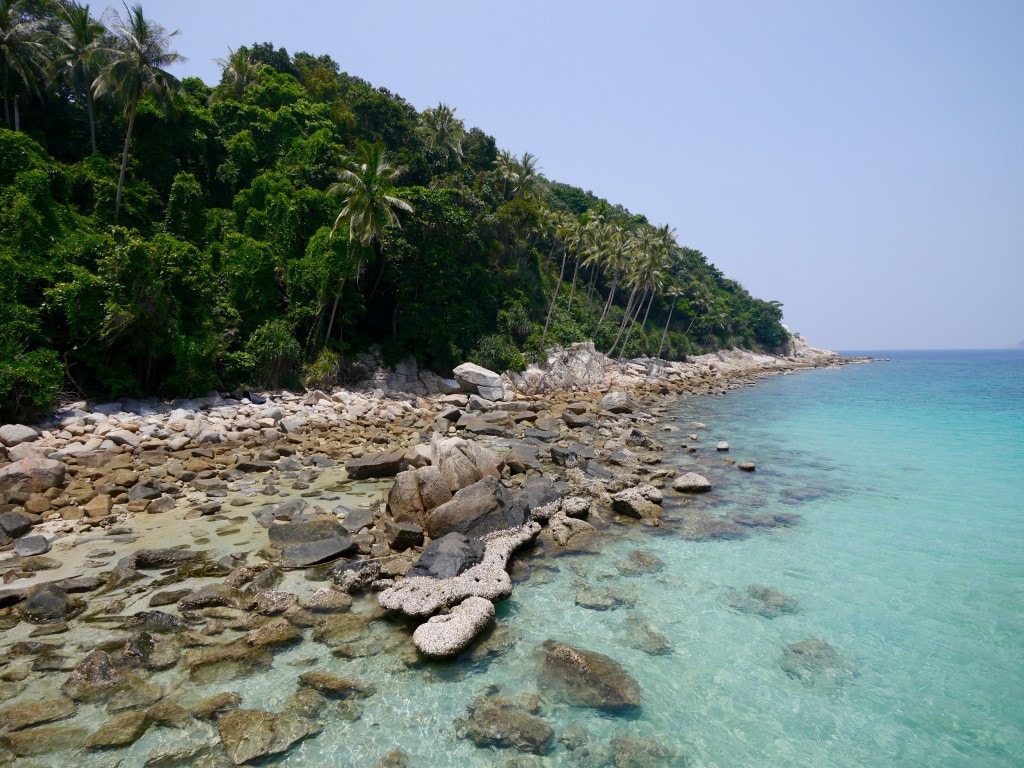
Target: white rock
<point>450,633</point>
<point>14,434</point>
<point>691,482</point>
<point>722,446</point>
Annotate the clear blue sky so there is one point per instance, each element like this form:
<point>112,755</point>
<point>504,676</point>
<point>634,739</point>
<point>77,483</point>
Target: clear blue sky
<point>861,162</point>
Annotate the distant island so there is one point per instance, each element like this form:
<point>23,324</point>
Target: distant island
<point>165,237</point>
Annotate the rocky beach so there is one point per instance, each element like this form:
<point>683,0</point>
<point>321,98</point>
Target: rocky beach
<point>154,554</point>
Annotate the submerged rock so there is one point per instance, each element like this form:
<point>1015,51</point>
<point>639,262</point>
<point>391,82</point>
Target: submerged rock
<point>634,752</point>
<point>249,734</point>
<point>763,601</point>
<point>121,731</point>
<point>37,713</point>
<point>49,604</point>
<point>639,562</point>
<point>494,721</point>
<point>586,678</point>
<point>814,660</point>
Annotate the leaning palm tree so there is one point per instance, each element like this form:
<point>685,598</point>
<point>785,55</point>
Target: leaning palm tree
<point>136,69</point>
<point>82,39</point>
<point>22,54</point>
<point>238,71</point>
<point>527,175</point>
<point>505,164</point>
<point>367,186</point>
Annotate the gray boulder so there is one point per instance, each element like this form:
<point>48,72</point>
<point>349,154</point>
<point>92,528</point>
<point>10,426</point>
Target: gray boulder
<point>29,546</point>
<point>401,535</point>
<point>479,509</point>
<point>384,464</point>
<point>416,492</point>
<point>691,482</point>
<point>586,678</point>
<point>15,434</point>
<point>479,380</point>
<point>49,604</point>
<point>15,523</point>
<point>21,479</point>
<point>618,402</point>
<point>310,542</point>
<point>494,721</point>
<point>448,556</point>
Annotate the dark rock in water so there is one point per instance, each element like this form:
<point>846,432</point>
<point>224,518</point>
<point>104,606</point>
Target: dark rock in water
<point>481,508</point>
<point>708,529</point>
<point>639,562</point>
<point>448,556</point>
<point>212,596</point>
<point>249,734</point>
<point>313,552</point>
<point>81,583</point>
<point>586,678</point>
<point>813,660</point>
<point>336,687</point>
<point>155,621</point>
<point>357,519</point>
<point>165,558</point>
<point>386,464</point>
<point>494,721</point>
<point>799,495</point>
<point>215,705</point>
<point>43,741</point>
<point>395,758</point>
<point>37,713</point>
<point>310,542</point>
<point>94,679</point>
<point>168,597</point>
<point>230,661</point>
<point>597,599</point>
<point>49,604</point>
<point>634,752</point>
<point>763,601</point>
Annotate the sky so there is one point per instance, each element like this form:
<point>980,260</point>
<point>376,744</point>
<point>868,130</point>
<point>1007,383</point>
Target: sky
<point>860,162</point>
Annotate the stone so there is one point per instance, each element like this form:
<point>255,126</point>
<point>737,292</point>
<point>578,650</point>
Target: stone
<point>618,402</point>
<point>416,492</point>
<point>813,660</point>
<point>29,546</point>
<point>95,678</point>
<point>495,721</point>
<point>212,596</point>
<point>522,458</point>
<point>249,734</point>
<point>402,536</point>
<point>214,705</point>
<point>423,596</point>
<point>479,380</point>
<point>49,604</point>
<point>635,752</point>
<point>357,519</point>
<point>327,600</point>
<point>691,482</point>
<point>709,528</point>
<point>336,687</point>
<point>15,523</point>
<point>746,466</point>
<point>385,464</point>
<point>310,542</point>
<point>451,633</point>
<point>273,634</point>
<point>42,741</point>
<point>15,434</point>
<point>645,637</point>
<point>763,601</point>
<point>569,532</point>
<point>98,507</point>
<point>590,596</point>
<point>165,558</point>
<point>722,446</point>
<point>121,731</point>
<point>448,556</point>
<point>587,678</point>
<point>482,508</point>
<point>639,562</point>
<point>37,713</point>
<point>641,502</point>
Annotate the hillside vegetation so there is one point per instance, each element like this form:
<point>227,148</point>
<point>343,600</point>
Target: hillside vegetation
<point>166,237</point>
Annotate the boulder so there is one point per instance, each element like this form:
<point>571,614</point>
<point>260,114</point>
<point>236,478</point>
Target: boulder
<point>451,633</point>
<point>635,752</point>
<point>691,482</point>
<point>21,479</point>
<point>482,508</point>
<point>15,434</point>
<point>123,730</point>
<point>95,678</point>
<point>29,546</point>
<point>763,601</point>
<point>814,660</point>
<point>495,721</point>
<point>463,462</point>
<point>416,492</point>
<point>165,558</point>
<point>336,687</point>
<point>448,556</point>
<point>49,604</point>
<point>250,734</point>
<point>15,523</point>
<point>642,502</point>
<point>618,402</point>
<point>722,446</point>
<point>586,678</point>
<point>385,464</point>
<point>479,380</point>
<point>522,458</point>
<point>310,542</point>
<point>401,535</point>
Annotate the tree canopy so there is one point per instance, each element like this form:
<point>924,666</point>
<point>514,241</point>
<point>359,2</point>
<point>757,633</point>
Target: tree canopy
<point>165,237</point>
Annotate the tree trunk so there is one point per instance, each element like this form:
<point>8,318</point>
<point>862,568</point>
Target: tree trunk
<point>554,297</point>
<point>625,319</point>
<point>124,157</point>
<point>92,119</point>
<point>17,115</point>
<point>607,305</point>
<point>664,333</point>
<point>632,325</point>
<point>572,290</point>
<point>334,311</point>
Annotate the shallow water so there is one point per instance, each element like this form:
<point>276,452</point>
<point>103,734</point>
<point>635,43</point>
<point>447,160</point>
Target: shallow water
<point>907,562</point>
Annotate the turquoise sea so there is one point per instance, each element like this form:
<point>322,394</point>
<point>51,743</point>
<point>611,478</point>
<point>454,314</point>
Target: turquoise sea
<point>908,562</point>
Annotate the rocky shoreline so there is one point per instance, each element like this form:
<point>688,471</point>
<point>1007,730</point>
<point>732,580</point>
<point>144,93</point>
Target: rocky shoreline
<point>190,541</point>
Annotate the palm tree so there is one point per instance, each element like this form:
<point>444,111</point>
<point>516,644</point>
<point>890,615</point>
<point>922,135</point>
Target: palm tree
<point>444,131</point>
<point>528,172</point>
<point>22,54</point>
<point>136,69</point>
<point>82,38</point>
<point>561,227</point>
<point>505,164</point>
<point>238,71</point>
<point>367,185</point>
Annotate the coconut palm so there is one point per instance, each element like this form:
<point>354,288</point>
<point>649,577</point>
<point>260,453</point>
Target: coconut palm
<point>443,131</point>
<point>82,39</point>
<point>527,175</point>
<point>560,226</point>
<point>238,71</point>
<point>367,186</point>
<point>136,69</point>
<point>22,54</point>
<point>505,164</point>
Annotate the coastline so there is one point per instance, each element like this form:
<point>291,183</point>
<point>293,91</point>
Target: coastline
<point>300,440</point>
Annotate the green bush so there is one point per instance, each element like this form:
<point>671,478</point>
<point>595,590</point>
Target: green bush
<point>29,381</point>
<point>274,353</point>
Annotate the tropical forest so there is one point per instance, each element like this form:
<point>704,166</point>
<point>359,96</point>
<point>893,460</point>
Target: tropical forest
<point>166,237</point>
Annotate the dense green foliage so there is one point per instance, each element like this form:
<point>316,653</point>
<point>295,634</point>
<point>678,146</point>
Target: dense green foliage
<point>159,237</point>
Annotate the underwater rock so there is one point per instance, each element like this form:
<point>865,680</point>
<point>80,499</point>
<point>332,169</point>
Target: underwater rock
<point>121,731</point>
<point>587,678</point>
<point>598,599</point>
<point>494,721</point>
<point>634,752</point>
<point>639,562</point>
<point>763,601</point>
<point>814,660</point>
<point>248,734</point>
<point>710,528</point>
<point>49,604</point>
<point>336,687</point>
<point>645,637</point>
<point>37,713</point>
